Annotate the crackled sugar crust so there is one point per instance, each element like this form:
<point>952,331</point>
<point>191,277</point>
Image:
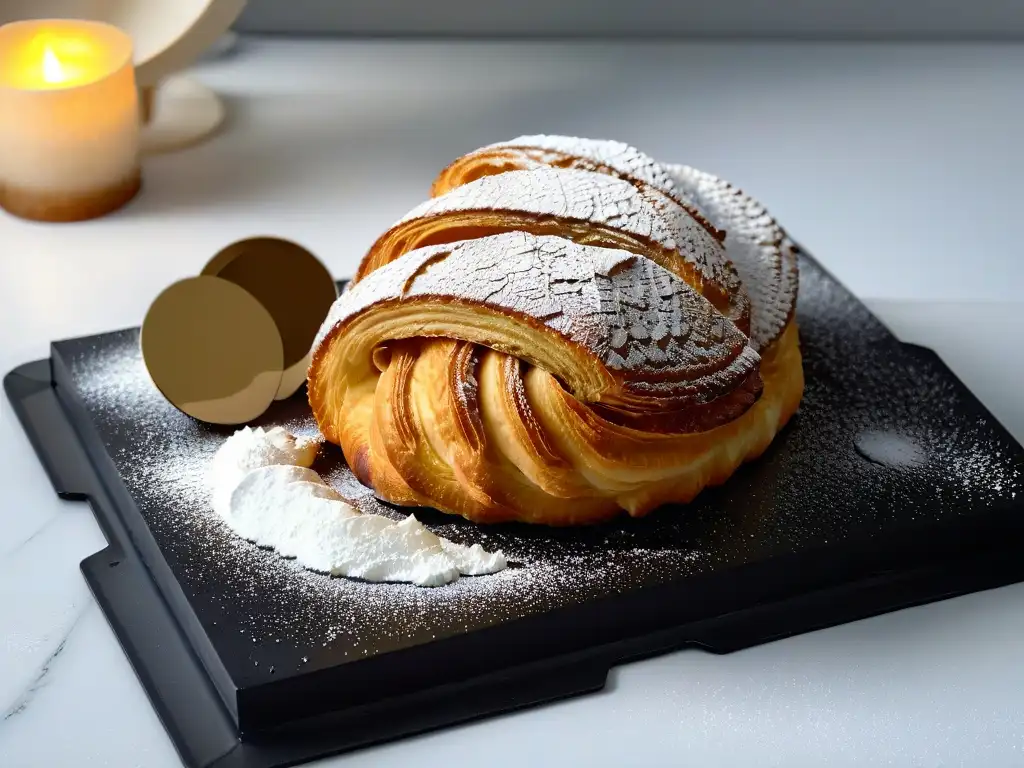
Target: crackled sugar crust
<point>585,198</point>
<point>764,256</point>
<point>757,247</point>
<point>614,158</point>
<point>657,334</point>
<point>620,159</point>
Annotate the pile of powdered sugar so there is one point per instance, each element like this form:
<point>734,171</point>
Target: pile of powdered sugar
<point>265,491</point>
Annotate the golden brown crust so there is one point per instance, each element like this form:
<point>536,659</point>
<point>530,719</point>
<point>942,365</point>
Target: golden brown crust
<point>541,455</point>
<point>518,360</point>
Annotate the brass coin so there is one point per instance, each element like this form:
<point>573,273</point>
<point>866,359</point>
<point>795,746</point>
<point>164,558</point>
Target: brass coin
<point>292,284</point>
<point>213,350</point>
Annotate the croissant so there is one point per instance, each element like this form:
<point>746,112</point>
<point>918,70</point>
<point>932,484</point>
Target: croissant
<point>566,330</point>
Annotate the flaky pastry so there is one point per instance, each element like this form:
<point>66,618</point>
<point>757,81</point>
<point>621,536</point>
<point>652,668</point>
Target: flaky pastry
<point>565,330</point>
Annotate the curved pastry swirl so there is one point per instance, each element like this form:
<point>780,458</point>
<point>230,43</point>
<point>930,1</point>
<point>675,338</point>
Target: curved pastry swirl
<point>755,244</point>
<point>589,208</point>
<point>559,335</point>
<point>613,158</point>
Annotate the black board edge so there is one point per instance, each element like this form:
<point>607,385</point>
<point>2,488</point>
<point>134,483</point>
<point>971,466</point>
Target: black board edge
<point>178,686</point>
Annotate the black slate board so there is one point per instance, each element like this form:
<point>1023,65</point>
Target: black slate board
<point>891,487</point>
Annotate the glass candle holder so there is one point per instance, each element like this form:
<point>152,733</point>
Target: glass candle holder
<point>69,120</point>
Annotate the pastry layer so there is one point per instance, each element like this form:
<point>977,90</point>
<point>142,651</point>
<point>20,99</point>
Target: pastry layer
<point>614,327</point>
<point>478,433</point>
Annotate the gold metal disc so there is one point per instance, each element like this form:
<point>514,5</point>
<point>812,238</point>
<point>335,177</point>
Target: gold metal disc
<point>213,350</point>
<point>292,284</point>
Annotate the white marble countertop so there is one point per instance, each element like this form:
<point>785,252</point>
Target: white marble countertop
<point>896,165</point>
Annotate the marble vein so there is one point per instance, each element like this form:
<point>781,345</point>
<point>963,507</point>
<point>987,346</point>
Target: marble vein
<point>24,699</point>
<point>24,542</point>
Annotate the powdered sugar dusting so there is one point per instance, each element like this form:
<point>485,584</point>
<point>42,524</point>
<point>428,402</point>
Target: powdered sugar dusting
<point>598,155</point>
<point>764,257</point>
<point>570,194</point>
<point>636,317</point>
<point>624,160</point>
<point>588,197</point>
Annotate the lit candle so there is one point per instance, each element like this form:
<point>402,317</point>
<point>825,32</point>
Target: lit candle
<point>69,120</point>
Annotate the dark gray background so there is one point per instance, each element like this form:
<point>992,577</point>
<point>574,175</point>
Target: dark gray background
<point>818,19</point>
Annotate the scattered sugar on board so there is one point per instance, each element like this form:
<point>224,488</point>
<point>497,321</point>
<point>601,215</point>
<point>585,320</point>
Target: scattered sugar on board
<point>164,462</point>
<point>239,589</point>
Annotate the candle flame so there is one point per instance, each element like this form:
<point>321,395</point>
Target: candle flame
<point>53,72</point>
